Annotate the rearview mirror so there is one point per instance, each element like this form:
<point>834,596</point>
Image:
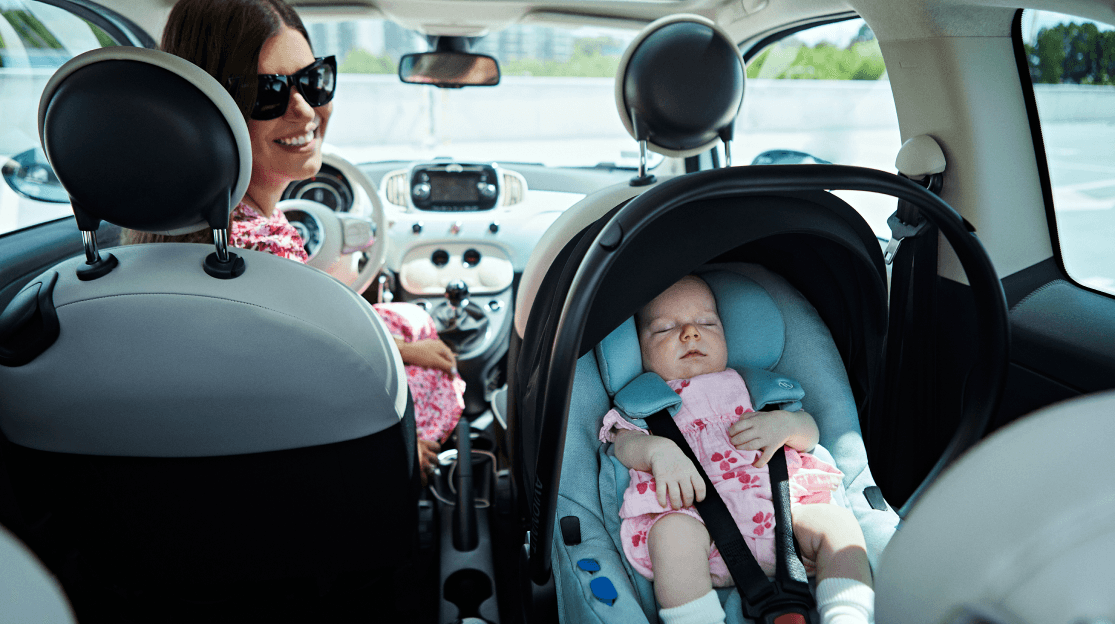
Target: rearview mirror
<point>449,69</point>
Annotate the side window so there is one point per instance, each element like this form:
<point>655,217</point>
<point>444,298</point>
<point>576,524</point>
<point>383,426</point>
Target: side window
<point>35,39</point>
<point>822,95</point>
<point>1072,68</point>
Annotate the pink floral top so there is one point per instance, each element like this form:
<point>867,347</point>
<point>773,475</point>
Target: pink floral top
<point>438,396</point>
<point>274,235</point>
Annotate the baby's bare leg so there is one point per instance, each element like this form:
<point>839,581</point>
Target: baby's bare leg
<point>679,549</point>
<point>830,537</point>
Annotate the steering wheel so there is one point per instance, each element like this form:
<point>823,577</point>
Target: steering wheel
<point>352,246</point>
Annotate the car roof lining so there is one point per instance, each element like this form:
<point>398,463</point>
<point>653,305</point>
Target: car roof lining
<point>891,20</point>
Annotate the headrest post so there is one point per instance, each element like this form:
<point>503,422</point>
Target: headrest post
<point>726,137</point>
<point>643,178</point>
<point>95,265</point>
<point>89,239</point>
<point>220,239</point>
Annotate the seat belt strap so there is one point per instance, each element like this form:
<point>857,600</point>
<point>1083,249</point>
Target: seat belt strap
<point>763,601</point>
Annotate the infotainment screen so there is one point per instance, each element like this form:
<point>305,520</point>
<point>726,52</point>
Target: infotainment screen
<point>452,188</point>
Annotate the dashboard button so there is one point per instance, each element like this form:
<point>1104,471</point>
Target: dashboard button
<point>470,258</point>
<point>421,190</point>
<point>416,228</point>
<point>455,228</point>
<point>493,227</point>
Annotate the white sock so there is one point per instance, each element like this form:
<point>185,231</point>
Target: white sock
<point>845,601</point>
<point>704,610</point>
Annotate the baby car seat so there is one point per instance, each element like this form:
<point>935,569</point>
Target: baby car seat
<point>822,272</point>
<point>776,340</point>
<point>205,431</point>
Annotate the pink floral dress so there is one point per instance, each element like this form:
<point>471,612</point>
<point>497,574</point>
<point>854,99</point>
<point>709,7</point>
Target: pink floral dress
<point>710,404</point>
<point>438,396</point>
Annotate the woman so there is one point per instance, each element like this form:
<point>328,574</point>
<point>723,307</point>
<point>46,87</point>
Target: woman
<point>260,49</point>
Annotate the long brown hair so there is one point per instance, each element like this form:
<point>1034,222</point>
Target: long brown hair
<point>223,37</point>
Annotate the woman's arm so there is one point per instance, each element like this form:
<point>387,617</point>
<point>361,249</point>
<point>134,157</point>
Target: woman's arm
<point>428,353</point>
<point>677,482</point>
<point>769,431</point>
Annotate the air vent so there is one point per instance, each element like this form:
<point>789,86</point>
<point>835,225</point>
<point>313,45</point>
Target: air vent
<point>396,189</point>
<point>513,189</point>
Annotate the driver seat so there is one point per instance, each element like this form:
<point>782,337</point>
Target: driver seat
<point>207,434</point>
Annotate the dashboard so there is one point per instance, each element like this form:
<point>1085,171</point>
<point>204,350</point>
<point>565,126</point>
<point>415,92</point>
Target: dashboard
<point>445,219</point>
<point>474,222</point>
<point>433,223</point>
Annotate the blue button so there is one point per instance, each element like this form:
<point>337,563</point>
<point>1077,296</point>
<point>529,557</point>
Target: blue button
<point>588,565</point>
<point>603,590</point>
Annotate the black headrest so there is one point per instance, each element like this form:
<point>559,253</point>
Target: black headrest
<point>144,140</point>
<point>680,85</point>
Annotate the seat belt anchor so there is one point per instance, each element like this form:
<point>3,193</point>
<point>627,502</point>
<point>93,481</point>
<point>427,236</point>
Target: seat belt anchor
<point>900,230</point>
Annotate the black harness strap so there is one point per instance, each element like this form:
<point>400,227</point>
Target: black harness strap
<point>763,600</point>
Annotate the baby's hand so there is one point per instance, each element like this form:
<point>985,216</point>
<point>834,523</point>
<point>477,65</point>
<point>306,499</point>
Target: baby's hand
<point>769,431</point>
<point>676,480</point>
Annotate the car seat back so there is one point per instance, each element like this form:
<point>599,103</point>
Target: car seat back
<point>195,435</point>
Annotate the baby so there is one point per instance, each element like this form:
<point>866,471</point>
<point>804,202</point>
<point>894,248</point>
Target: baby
<point>682,339</point>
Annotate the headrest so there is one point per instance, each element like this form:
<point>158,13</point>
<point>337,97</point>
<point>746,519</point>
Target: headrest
<point>145,140</point>
<point>753,326</point>
<point>680,85</point>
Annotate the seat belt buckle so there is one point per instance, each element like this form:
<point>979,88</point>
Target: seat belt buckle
<point>789,614</point>
<point>900,230</point>
<point>790,602</point>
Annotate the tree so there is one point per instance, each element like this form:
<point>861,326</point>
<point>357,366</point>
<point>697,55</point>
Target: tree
<point>1073,54</point>
<point>360,61</point>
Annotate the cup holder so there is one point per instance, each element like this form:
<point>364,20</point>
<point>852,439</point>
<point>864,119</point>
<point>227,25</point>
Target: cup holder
<point>467,589</point>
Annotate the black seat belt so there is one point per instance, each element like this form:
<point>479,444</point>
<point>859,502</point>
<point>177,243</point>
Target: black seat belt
<point>911,349</point>
<point>787,599</point>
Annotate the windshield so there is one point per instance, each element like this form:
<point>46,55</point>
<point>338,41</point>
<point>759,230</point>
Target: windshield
<point>554,105</point>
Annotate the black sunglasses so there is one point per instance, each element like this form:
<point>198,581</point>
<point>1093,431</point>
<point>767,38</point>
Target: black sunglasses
<point>317,82</point>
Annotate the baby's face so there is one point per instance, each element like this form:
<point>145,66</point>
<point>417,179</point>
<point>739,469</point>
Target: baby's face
<point>680,334</point>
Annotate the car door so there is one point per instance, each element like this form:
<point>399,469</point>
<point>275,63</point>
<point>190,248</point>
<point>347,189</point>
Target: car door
<point>1063,309</point>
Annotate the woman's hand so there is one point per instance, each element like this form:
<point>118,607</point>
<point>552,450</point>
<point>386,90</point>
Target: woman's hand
<point>428,353</point>
<point>427,457</point>
<point>769,431</point>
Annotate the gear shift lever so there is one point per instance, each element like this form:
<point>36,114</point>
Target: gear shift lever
<point>456,292</point>
<point>460,322</point>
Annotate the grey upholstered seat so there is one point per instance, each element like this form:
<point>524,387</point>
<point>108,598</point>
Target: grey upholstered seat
<point>199,425</point>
